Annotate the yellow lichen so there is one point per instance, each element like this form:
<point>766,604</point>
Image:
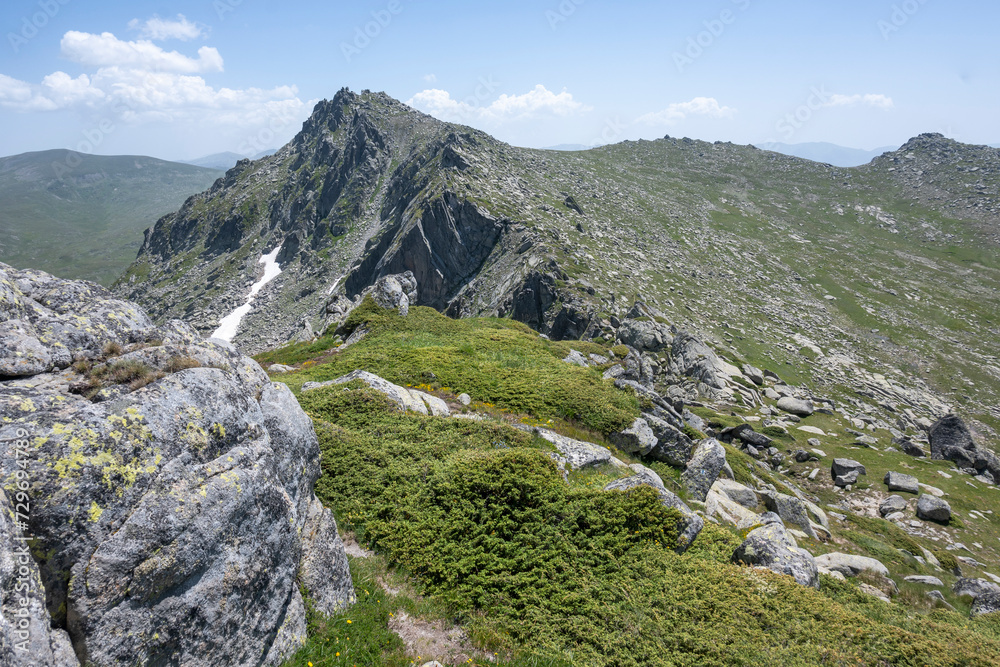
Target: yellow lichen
<point>95,512</point>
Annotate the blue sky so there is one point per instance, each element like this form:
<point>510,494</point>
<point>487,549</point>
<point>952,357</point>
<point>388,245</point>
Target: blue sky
<point>184,79</point>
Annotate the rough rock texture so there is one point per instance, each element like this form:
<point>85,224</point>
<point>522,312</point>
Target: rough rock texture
<point>672,445</point>
<point>703,469</point>
<point>645,336</point>
<point>974,587</point>
<point>636,439</point>
<point>930,508</point>
<point>897,481</point>
<point>737,493</point>
<point>577,454</point>
<point>891,505</point>
<point>26,637</point>
<point>846,471</point>
<point>850,565</point>
<point>771,547</point>
<point>174,516</point>
<point>987,603</point>
<point>690,357</point>
<point>951,440</point>
<point>691,523</point>
<point>791,510</point>
<point>795,406</point>
<point>924,579</point>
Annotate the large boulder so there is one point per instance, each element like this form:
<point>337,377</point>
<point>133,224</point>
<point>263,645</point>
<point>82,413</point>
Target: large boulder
<point>987,603</point>
<point>396,292</point>
<point>672,446</point>
<point>930,508</point>
<point>891,505</point>
<point>636,439</point>
<point>770,546</point>
<point>703,469</point>
<point>174,504</point>
<point>690,525</point>
<point>974,587</point>
<point>897,481</point>
<point>791,510</point>
<point>795,406</point>
<point>846,471</point>
<point>850,565</point>
<point>949,434</point>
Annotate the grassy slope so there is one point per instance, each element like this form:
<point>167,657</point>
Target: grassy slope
<point>477,519</point>
<point>86,222</point>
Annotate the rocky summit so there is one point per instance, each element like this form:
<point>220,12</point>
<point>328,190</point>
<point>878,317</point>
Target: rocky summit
<point>158,503</point>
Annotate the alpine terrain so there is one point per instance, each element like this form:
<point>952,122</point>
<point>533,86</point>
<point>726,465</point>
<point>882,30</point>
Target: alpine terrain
<point>403,394</point>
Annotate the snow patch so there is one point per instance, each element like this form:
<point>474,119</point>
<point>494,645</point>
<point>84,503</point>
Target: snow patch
<point>229,324</point>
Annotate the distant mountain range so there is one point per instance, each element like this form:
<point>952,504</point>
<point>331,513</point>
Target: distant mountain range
<point>839,156</point>
<point>226,161</point>
<point>82,216</point>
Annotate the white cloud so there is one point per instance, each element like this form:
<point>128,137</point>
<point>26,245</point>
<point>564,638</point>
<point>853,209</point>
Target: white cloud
<point>137,82</point>
<point>877,101</point>
<point>19,96</point>
<point>675,113</point>
<point>537,103</point>
<point>431,78</point>
<point>106,50</point>
<point>161,29</point>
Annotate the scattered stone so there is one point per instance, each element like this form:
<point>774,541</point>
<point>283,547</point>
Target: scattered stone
<point>874,592</point>
<point>892,504</point>
<point>636,439</point>
<point>576,358</point>
<point>974,587</point>
<point>850,565</point>
<point>796,406</point>
<point>281,368</point>
<point>703,469</point>
<point>930,508</point>
<point>899,482</point>
<point>924,579</point>
<point>866,441</point>
<point>813,430</point>
<point>846,471</point>
<point>465,399</point>
<point>753,374</point>
<point>987,603</point>
<point>933,490</point>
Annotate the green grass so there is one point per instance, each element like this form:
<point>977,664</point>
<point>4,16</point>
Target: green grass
<point>476,517</point>
<point>500,363</point>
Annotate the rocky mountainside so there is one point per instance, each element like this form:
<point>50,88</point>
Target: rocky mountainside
<point>158,503</point>
<point>874,285</point>
<point>81,216</point>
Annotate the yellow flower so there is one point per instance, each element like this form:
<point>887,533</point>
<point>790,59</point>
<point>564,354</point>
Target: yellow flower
<point>348,621</point>
<point>338,655</point>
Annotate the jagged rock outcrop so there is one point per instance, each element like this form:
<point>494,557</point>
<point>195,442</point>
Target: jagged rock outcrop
<point>951,440</point>
<point>170,484</point>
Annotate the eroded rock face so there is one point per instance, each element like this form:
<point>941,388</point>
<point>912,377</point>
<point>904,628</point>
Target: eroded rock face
<point>173,516</point>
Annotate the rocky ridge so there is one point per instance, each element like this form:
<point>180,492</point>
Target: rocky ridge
<point>729,242</point>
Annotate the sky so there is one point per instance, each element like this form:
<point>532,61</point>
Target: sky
<point>180,80</point>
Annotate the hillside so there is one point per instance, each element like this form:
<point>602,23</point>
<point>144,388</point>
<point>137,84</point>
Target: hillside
<point>850,278</point>
<point>82,216</point>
